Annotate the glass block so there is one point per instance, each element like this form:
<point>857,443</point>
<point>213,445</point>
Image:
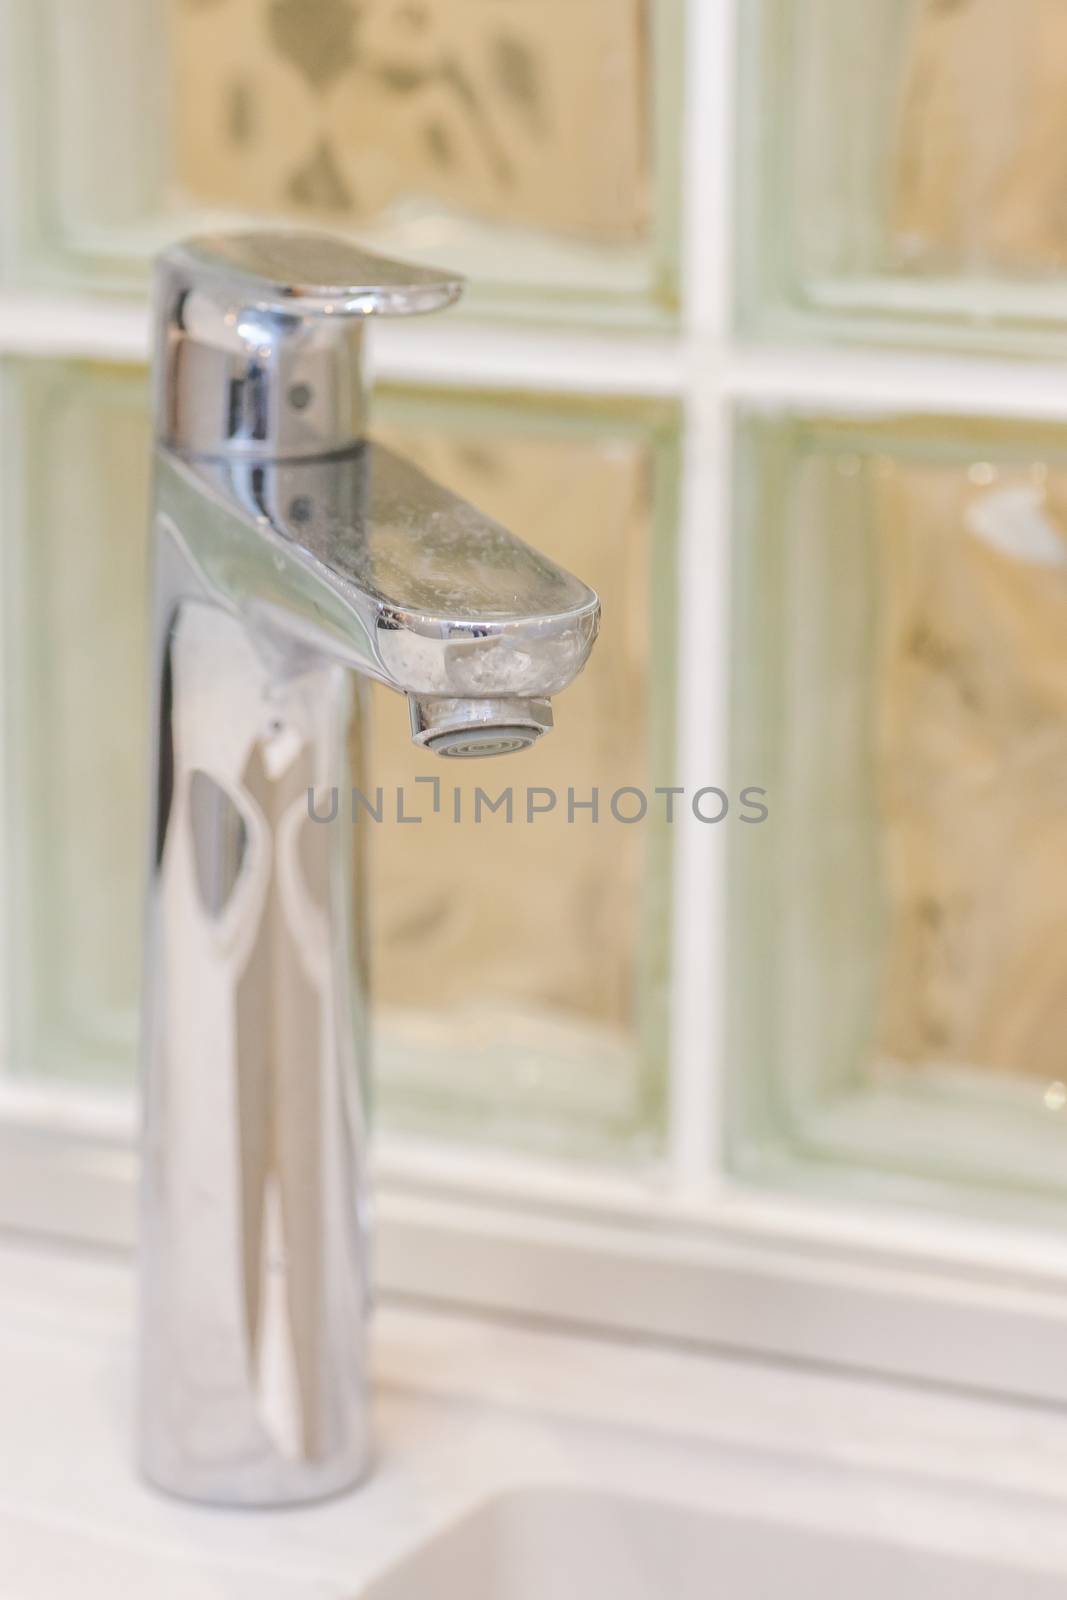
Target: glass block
<point>74,486</point>
<point>521,967</point>
<point>533,146</point>
<point>901,966</point>
<point>940,216</point>
<point>522,971</point>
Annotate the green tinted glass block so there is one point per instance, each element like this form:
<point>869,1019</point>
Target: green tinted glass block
<point>74,486</point>
<point>523,967</point>
<point>532,146</point>
<point>520,968</point>
<point>900,971</point>
<point>940,215</point>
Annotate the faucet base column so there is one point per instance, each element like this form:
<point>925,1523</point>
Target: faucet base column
<point>254,1260</point>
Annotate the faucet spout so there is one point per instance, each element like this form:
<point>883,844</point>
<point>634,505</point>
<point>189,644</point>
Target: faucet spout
<point>294,560</point>
<point>368,561</point>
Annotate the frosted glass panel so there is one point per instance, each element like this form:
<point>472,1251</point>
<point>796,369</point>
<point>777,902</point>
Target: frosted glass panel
<point>530,144</point>
<point>903,609</point>
<point>521,967</point>
<point>943,208</point>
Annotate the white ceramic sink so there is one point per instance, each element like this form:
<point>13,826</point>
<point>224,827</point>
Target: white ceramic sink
<point>563,1544</point>
<point>515,1464</point>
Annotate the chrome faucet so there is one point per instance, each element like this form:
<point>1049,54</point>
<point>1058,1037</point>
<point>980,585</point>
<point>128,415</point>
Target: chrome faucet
<point>293,560</point>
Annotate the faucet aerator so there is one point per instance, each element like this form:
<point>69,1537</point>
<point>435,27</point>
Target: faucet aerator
<point>489,727</point>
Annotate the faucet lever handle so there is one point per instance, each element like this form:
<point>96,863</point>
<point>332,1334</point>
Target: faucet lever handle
<point>259,339</point>
<point>307,275</point>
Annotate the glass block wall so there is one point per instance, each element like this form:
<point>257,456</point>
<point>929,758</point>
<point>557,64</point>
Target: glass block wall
<point>880,1011</point>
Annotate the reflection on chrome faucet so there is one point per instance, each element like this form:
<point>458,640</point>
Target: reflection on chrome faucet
<point>293,561</point>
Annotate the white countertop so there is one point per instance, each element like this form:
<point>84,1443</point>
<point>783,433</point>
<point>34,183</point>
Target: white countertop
<point>466,1409</point>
